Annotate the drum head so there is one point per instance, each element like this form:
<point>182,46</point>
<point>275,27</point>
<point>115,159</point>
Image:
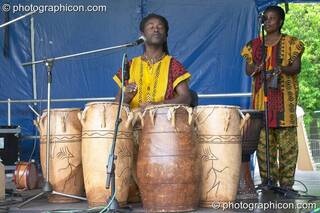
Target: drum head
<point>62,109</point>
<point>159,106</point>
<point>105,103</point>
<point>219,106</point>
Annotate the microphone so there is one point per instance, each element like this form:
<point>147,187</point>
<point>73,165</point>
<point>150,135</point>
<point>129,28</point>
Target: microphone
<point>262,18</point>
<point>141,40</point>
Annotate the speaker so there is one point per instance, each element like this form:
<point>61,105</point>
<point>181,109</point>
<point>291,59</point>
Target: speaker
<point>9,137</point>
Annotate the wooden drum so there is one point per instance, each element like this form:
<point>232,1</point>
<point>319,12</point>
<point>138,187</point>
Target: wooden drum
<point>218,129</point>
<point>65,167</point>
<point>26,175</point>
<point>134,193</point>
<point>168,168</point>
<point>98,123</point>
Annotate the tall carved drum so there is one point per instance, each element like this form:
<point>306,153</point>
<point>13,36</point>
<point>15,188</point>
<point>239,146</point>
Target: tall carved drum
<point>218,129</point>
<point>65,166</point>
<point>168,168</point>
<point>134,193</point>
<point>98,123</point>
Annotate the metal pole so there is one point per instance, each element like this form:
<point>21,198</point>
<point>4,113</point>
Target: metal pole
<point>204,96</point>
<point>60,100</point>
<point>226,95</point>
<point>78,54</point>
<point>17,19</point>
<point>67,195</point>
<point>34,77</point>
<point>9,112</point>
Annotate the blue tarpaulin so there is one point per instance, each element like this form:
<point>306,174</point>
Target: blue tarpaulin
<point>205,35</point>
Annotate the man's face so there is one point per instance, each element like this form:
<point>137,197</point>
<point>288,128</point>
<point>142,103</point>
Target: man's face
<point>273,22</point>
<point>155,32</point>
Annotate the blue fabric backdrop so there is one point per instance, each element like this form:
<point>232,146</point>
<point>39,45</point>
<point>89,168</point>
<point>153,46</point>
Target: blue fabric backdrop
<point>205,35</point>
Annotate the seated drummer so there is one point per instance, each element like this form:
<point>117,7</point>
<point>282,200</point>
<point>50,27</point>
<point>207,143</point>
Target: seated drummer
<point>155,77</point>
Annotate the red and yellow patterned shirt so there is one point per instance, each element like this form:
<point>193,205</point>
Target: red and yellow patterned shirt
<point>156,82</point>
<point>282,101</point>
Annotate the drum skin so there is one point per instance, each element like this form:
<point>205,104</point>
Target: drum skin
<point>65,166</point>
<point>218,130</point>
<point>168,168</point>
<point>98,122</point>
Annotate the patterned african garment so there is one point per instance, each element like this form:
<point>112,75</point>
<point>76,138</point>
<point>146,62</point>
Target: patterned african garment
<point>282,100</point>
<point>156,82</point>
<point>283,155</point>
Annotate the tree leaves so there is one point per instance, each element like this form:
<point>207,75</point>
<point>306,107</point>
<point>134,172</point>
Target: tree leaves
<point>303,22</point>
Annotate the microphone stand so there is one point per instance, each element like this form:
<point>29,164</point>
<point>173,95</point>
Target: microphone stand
<point>266,104</point>
<point>113,204</point>
<point>269,185</point>
<point>47,188</point>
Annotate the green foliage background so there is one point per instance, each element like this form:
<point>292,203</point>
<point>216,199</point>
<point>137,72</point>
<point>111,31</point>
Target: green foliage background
<point>303,22</point>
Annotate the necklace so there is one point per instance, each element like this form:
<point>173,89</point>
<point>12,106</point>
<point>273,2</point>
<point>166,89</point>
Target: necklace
<point>275,42</point>
<point>153,60</point>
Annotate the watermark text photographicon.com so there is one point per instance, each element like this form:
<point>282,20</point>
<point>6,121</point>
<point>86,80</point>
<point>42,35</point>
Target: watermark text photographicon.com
<point>55,8</point>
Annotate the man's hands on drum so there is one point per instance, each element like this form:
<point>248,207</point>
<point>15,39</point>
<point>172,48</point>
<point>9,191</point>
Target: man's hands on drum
<point>129,92</point>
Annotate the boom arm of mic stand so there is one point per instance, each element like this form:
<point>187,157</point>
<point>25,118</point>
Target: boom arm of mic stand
<point>17,19</point>
<point>80,54</point>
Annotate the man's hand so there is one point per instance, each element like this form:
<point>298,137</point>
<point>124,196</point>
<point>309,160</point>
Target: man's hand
<point>129,92</point>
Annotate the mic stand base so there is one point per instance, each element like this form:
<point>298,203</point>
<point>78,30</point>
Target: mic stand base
<point>114,205</point>
<point>288,193</point>
<point>47,188</point>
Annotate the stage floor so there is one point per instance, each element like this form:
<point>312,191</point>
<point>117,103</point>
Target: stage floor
<point>266,201</point>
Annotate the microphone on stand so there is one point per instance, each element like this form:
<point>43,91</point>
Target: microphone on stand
<point>126,74</point>
<point>262,18</point>
<point>139,41</point>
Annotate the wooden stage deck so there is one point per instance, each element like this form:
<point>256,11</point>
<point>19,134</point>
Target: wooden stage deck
<point>266,201</point>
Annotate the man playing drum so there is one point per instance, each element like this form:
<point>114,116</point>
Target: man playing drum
<point>155,77</point>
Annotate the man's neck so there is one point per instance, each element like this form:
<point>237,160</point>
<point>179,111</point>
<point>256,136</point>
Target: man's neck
<point>153,52</point>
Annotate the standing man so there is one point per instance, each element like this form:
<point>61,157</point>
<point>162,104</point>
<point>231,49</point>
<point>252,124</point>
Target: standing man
<point>283,63</point>
<point>155,77</point>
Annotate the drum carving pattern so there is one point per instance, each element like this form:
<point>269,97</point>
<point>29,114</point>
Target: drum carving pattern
<point>218,137</point>
<point>215,181</point>
<point>98,123</point>
<point>65,165</point>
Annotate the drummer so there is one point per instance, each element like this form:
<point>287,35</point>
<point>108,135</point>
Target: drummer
<point>155,77</point>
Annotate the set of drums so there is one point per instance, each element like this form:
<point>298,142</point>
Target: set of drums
<point>179,156</point>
